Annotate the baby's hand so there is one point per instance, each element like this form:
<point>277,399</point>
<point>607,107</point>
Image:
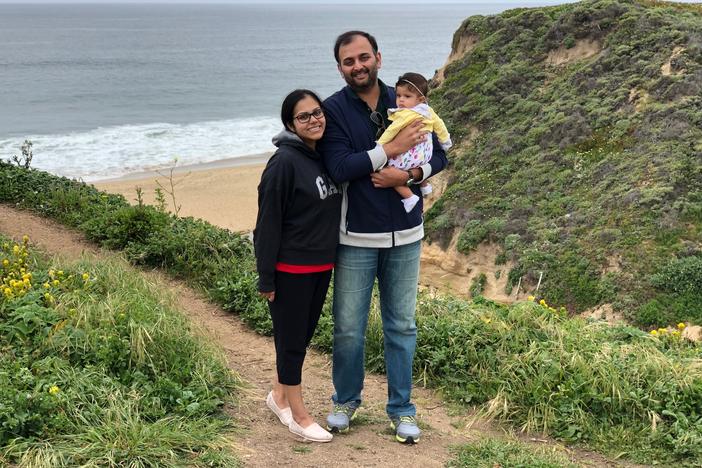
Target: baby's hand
<point>409,136</point>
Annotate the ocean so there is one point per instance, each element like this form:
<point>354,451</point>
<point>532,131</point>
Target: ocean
<point>106,90</point>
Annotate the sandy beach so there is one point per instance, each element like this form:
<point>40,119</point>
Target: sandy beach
<point>221,192</point>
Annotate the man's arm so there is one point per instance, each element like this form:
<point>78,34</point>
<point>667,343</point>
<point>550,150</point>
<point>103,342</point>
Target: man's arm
<point>437,163</point>
<point>393,177</point>
<point>342,163</point>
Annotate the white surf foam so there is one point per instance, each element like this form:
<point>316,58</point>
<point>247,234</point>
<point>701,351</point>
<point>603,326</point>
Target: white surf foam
<point>114,151</point>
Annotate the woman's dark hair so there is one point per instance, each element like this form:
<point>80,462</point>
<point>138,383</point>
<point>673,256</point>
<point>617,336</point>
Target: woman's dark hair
<point>415,79</point>
<point>287,110</point>
<point>347,37</point>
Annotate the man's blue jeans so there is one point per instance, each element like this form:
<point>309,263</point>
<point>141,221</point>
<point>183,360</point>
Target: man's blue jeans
<point>397,270</point>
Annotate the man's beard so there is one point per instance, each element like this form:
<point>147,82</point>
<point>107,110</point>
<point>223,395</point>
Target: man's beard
<point>368,83</point>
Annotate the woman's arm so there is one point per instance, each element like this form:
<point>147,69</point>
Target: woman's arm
<point>272,195</point>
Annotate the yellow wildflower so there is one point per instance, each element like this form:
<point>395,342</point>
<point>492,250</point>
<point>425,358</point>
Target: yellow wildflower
<point>54,390</point>
<point>55,282</point>
<point>681,326</point>
<point>662,331</point>
<point>25,239</point>
<point>60,272</point>
<point>542,302</point>
<point>16,250</point>
<point>86,277</point>
<point>46,286</point>
<point>5,263</point>
<point>654,332</point>
<point>530,298</point>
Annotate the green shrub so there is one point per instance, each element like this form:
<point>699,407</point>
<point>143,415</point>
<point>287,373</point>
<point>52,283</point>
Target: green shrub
<point>669,309</point>
<point>680,276</point>
<point>478,285</point>
<point>123,226</point>
<point>472,235</point>
<point>680,286</point>
<point>476,232</point>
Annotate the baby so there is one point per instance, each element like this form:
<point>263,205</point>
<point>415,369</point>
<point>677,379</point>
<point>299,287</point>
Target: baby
<point>411,90</point>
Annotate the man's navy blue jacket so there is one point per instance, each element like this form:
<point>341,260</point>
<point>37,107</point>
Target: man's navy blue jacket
<point>370,217</point>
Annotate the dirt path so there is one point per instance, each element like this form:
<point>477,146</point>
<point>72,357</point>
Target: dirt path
<point>263,442</point>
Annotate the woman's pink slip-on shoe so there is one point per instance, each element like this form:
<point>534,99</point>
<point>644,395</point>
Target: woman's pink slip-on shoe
<point>285,414</point>
<point>314,432</point>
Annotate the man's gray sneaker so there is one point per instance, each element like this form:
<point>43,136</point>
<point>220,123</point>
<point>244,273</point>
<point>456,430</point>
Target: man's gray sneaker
<point>406,429</point>
<point>340,418</point>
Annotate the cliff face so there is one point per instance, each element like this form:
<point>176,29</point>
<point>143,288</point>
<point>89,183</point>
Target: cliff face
<point>579,154</point>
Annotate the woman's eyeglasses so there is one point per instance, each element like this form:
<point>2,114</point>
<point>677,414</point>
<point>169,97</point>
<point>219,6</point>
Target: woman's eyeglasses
<point>377,118</point>
<point>304,117</point>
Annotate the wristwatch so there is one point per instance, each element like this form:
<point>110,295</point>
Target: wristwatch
<point>411,180</point>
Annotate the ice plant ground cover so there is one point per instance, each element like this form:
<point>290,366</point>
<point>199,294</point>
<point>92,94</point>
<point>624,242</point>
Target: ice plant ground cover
<point>97,369</point>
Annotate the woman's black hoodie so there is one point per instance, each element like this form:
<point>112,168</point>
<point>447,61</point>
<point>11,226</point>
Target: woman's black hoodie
<point>299,210</point>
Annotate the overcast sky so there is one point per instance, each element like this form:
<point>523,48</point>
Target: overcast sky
<point>515,2</point>
<point>512,2</point>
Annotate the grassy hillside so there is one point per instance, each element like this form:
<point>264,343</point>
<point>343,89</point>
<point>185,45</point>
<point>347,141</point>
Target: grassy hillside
<point>617,389</point>
<point>97,369</point>
<point>579,152</point>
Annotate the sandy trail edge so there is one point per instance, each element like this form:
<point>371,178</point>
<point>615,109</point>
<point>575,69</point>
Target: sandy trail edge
<point>263,441</point>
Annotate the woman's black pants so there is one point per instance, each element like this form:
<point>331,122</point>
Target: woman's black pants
<point>299,298</point>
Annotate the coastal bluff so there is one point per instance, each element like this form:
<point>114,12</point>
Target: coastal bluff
<point>578,158</point>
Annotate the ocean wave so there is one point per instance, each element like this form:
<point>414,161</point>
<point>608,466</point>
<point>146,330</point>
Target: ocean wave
<point>107,152</point>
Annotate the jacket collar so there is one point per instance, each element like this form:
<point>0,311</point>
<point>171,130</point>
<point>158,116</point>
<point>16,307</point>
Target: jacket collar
<point>287,138</point>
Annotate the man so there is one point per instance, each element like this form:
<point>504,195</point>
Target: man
<point>378,239</point>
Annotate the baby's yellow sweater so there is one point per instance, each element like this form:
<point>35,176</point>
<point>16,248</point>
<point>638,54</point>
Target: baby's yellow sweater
<point>400,118</point>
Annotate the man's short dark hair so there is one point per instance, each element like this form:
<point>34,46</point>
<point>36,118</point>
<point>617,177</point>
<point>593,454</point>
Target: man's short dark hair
<point>348,36</point>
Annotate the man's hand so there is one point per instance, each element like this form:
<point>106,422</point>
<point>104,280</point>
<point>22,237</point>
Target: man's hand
<point>268,295</point>
<point>390,177</point>
<point>408,137</point>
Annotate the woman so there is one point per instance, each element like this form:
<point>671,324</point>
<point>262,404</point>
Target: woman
<point>295,241</point>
